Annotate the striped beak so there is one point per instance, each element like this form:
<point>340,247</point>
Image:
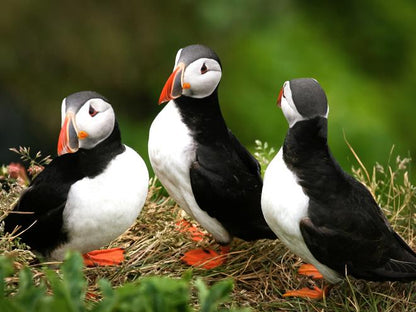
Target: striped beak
<point>173,86</point>
<point>68,138</point>
<point>279,98</point>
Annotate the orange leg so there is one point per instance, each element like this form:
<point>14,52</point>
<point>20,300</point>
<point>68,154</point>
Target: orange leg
<point>104,257</point>
<point>313,293</point>
<point>309,270</point>
<point>206,258</point>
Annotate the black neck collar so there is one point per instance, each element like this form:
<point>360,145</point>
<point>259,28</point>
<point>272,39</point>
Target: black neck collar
<point>203,117</point>
<point>306,139</point>
<point>94,161</point>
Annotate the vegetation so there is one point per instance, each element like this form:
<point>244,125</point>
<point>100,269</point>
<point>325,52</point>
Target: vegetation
<point>260,271</point>
<point>68,293</point>
<point>363,54</point>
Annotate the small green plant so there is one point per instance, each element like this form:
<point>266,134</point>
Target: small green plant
<point>15,174</point>
<point>36,163</point>
<point>264,154</point>
<point>261,270</point>
<point>36,160</point>
<point>69,292</point>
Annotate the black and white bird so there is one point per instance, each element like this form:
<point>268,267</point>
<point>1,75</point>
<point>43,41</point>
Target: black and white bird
<point>91,193</point>
<point>320,212</point>
<point>199,161</point>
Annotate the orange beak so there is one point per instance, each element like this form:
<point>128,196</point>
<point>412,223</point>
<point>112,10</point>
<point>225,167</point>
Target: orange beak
<point>173,86</point>
<point>279,98</point>
<point>68,138</point>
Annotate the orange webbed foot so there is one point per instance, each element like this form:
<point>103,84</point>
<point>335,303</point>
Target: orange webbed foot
<point>312,293</point>
<point>104,257</point>
<point>206,258</point>
<point>310,271</point>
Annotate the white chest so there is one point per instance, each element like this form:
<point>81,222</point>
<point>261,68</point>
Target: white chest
<point>284,205</point>
<point>283,202</point>
<point>100,209</point>
<point>171,152</point>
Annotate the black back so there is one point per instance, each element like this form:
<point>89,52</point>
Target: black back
<point>45,199</point>
<point>225,177</point>
<point>345,226</point>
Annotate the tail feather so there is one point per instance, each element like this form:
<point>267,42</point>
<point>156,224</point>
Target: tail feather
<point>405,246</point>
<point>397,270</point>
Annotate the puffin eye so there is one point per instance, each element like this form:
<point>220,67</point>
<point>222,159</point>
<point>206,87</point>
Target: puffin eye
<point>92,111</point>
<point>204,69</point>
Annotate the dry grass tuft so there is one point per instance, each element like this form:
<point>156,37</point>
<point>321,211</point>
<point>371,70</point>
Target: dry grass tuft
<point>261,270</point>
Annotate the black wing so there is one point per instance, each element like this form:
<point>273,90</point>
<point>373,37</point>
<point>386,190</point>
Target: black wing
<point>350,230</point>
<point>345,226</point>
<point>39,210</point>
<point>227,184</point>
<point>249,160</point>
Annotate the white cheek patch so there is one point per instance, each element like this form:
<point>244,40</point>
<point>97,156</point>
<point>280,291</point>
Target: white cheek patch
<point>202,85</point>
<point>98,127</point>
<point>289,109</point>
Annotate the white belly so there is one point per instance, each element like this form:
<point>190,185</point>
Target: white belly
<point>100,209</point>
<point>284,205</point>
<point>171,153</point>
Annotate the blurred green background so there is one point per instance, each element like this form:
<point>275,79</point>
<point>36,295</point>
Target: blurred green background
<point>362,52</point>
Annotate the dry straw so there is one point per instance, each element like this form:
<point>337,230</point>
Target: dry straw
<point>261,270</point>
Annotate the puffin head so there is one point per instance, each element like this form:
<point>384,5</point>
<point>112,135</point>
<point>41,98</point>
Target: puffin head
<point>196,74</point>
<point>302,99</point>
<point>87,120</point>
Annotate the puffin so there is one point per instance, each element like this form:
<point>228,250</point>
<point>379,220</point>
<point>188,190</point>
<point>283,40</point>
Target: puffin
<point>87,196</point>
<point>198,160</point>
<point>321,213</point>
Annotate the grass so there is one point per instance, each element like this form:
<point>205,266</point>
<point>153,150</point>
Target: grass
<point>261,270</point>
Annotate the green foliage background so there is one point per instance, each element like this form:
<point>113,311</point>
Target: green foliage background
<point>362,52</point>
<point>69,293</point>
